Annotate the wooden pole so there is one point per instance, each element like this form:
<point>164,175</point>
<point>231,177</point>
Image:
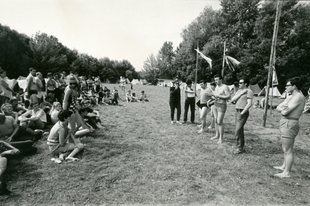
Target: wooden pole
<point>272,60</point>
<point>196,68</point>
<point>223,65</point>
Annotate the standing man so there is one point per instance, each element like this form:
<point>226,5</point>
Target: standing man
<point>243,100</point>
<point>206,94</point>
<point>5,90</point>
<point>175,101</point>
<point>221,94</point>
<point>31,84</point>
<point>189,101</point>
<point>291,110</point>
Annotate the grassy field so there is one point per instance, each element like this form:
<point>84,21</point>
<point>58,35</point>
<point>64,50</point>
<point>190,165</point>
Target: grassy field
<point>140,158</point>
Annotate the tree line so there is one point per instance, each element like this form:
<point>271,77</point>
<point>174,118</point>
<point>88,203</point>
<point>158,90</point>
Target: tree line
<point>19,52</point>
<point>247,27</point>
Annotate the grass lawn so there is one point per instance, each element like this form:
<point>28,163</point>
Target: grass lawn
<point>140,158</point>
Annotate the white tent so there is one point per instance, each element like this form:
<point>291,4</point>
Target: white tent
<point>135,82</point>
<point>272,91</point>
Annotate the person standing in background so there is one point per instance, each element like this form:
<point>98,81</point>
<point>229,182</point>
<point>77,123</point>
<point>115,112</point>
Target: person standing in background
<point>175,101</point>
<point>189,101</point>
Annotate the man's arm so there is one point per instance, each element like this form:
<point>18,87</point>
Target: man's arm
<point>283,105</point>
<point>238,94</point>
<point>30,79</point>
<point>12,151</point>
<point>293,104</point>
<point>16,128</point>
<point>37,116</point>
<point>226,94</point>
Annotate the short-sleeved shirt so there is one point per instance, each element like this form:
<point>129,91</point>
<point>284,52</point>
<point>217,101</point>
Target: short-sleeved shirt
<point>243,100</point>
<point>7,128</point>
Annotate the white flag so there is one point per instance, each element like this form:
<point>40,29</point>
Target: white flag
<point>206,58</point>
<point>274,77</point>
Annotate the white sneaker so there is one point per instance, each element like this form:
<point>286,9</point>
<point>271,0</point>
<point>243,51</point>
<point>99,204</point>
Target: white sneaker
<point>172,122</point>
<point>178,122</point>
<point>200,131</point>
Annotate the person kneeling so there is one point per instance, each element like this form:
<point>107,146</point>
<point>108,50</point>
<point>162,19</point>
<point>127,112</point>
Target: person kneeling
<point>58,139</point>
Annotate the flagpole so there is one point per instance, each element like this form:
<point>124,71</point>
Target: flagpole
<point>272,60</point>
<point>196,68</point>
<point>223,65</point>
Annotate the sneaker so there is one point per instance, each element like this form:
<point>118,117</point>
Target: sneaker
<point>172,122</point>
<point>239,151</point>
<point>199,126</point>
<point>200,131</point>
<point>178,122</point>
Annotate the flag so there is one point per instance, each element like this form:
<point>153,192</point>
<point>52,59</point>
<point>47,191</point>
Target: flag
<point>206,58</point>
<point>274,77</point>
<point>231,62</point>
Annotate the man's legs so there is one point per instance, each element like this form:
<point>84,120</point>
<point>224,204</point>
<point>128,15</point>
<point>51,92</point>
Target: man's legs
<point>178,106</point>
<point>287,146</point>
<point>239,133</point>
<point>172,107</point>
<point>186,106</point>
<point>203,115</point>
<point>215,116</point>
<point>192,106</point>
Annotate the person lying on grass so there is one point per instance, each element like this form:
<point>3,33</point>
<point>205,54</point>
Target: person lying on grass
<point>59,138</point>
<point>5,150</point>
<point>10,132</point>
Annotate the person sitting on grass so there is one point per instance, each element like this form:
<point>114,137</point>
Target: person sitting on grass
<point>59,138</point>
<point>16,107</point>
<point>7,110</point>
<point>37,119</point>
<point>56,108</point>
<point>91,117</point>
<point>5,149</point>
<point>130,97</point>
<point>143,97</point>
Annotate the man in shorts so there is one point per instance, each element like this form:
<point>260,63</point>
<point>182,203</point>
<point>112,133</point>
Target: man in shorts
<point>221,94</point>
<point>291,110</point>
<point>206,94</point>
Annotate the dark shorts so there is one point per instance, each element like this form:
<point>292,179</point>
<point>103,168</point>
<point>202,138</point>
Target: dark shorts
<point>220,107</point>
<point>289,128</point>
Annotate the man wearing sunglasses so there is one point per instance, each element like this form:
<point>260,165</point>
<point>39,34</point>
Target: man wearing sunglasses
<point>291,110</point>
<point>243,100</point>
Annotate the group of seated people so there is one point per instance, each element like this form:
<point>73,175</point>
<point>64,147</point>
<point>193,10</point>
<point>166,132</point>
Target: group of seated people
<point>22,124</point>
<point>131,97</point>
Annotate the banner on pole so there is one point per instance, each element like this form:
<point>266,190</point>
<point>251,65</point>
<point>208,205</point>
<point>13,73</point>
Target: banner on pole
<point>206,58</point>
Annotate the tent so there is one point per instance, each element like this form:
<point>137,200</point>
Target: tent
<point>274,91</point>
<point>143,81</point>
<point>255,89</point>
<point>135,82</point>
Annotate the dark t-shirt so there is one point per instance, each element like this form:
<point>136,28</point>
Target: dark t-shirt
<point>175,94</point>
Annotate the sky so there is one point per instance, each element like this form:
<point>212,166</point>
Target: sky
<point>118,29</point>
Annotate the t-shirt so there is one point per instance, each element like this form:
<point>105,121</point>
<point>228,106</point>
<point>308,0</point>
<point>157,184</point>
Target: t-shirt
<point>7,128</point>
<point>242,101</point>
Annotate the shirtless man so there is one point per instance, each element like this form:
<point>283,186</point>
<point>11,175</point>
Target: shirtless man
<point>32,87</point>
<point>206,94</point>
<point>291,110</point>
<point>221,95</point>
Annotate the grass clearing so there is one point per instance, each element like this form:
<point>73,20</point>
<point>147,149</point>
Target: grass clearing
<point>140,158</point>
